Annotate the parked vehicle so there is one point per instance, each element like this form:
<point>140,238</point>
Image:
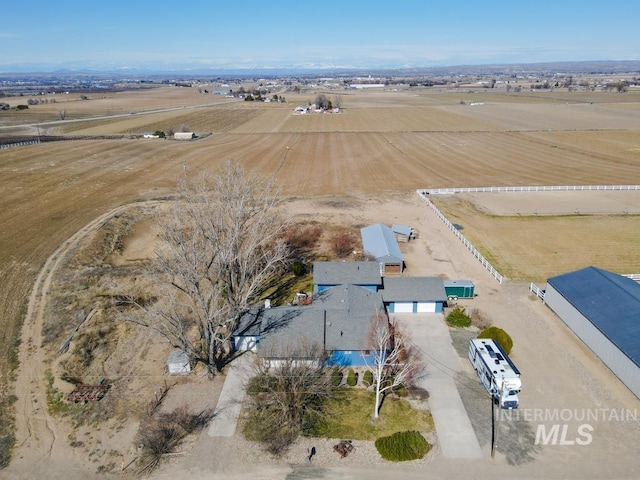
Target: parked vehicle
<point>497,372</point>
<point>456,289</point>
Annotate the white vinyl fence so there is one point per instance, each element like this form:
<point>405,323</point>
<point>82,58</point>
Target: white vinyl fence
<point>532,188</point>
<point>537,291</point>
<point>465,242</point>
<point>19,144</point>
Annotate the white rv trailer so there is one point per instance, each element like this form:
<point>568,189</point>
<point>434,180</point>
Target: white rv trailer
<point>497,372</point>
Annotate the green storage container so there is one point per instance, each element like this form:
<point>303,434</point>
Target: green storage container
<point>459,289</point>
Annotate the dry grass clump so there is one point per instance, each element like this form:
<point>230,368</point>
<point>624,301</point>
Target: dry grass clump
<point>162,434</point>
<point>303,237</point>
<point>478,318</point>
<point>343,243</point>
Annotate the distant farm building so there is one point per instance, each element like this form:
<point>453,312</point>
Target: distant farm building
<point>603,310</point>
<point>184,136</point>
<point>361,86</point>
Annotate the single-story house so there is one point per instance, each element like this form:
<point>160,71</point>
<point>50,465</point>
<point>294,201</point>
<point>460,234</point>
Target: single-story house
<point>603,310</point>
<point>379,241</point>
<point>337,323</point>
<point>330,274</point>
<point>413,294</point>
<point>339,318</point>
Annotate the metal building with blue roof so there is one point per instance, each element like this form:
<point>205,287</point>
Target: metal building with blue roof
<point>603,309</point>
<point>380,241</point>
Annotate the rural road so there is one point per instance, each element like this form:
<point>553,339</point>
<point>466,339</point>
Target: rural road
<point>35,127</point>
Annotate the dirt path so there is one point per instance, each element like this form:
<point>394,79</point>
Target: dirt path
<point>38,449</point>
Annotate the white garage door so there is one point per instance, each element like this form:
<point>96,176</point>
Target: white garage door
<point>403,307</point>
<point>426,307</point>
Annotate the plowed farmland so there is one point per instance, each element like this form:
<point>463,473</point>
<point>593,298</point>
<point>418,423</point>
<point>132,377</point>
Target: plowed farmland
<point>382,143</point>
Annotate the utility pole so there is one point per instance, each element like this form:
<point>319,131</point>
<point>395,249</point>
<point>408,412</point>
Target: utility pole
<point>494,423</point>
<point>493,428</point>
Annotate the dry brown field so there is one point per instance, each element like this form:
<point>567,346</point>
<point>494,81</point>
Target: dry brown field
<point>533,247</point>
<point>383,143</point>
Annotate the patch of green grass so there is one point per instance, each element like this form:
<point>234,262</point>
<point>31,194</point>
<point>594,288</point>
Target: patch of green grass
<point>350,415</point>
<point>55,398</point>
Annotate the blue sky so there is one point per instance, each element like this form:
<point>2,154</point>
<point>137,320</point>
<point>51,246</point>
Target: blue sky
<point>119,34</point>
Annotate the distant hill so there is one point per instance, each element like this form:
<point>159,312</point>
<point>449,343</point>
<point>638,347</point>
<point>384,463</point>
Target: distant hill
<point>582,67</point>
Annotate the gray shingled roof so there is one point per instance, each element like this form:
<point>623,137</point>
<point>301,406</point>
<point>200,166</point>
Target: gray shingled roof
<point>416,289</point>
<point>609,301</point>
<point>345,310</point>
<point>355,273</point>
<point>380,241</point>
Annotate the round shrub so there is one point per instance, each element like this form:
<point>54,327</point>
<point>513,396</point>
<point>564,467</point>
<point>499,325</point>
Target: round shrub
<point>499,336</point>
<point>458,318</point>
<point>402,446</point>
<point>298,269</point>
<point>351,378</point>
<point>336,377</point>
<point>367,378</point>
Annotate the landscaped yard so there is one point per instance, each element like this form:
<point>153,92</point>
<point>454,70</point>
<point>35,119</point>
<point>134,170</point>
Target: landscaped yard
<point>350,415</point>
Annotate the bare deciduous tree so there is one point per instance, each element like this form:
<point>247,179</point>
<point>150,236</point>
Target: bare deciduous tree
<point>395,361</point>
<point>287,395</point>
<point>221,247</point>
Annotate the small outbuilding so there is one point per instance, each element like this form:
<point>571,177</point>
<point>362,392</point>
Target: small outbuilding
<point>603,310</point>
<point>178,363</point>
<point>403,233</point>
<point>379,241</point>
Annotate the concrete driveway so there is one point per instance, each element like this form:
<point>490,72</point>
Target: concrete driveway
<point>430,334</point>
<point>225,417</point>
